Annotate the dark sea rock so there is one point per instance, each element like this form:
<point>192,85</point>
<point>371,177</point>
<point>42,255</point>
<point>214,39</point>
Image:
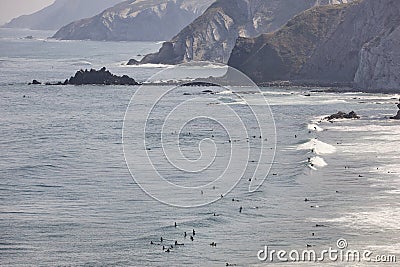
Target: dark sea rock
<point>397,117</point>
<point>166,55</point>
<point>133,62</point>
<point>35,82</point>
<point>200,84</point>
<point>101,77</point>
<point>342,115</point>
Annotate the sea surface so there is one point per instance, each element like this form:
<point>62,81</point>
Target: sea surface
<point>67,196</point>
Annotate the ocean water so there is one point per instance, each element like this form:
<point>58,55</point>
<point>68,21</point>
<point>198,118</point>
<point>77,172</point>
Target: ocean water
<point>68,197</point>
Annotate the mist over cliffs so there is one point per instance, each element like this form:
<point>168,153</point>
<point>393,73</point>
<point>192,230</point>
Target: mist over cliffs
<point>60,13</point>
<point>354,43</point>
<point>136,20</point>
<point>212,36</point>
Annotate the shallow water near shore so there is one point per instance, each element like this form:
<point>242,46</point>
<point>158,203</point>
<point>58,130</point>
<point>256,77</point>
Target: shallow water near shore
<point>67,197</point>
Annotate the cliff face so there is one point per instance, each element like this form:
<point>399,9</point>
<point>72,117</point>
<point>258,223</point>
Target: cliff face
<point>324,44</point>
<point>136,20</point>
<point>379,67</point>
<point>212,36</point>
<point>61,12</point>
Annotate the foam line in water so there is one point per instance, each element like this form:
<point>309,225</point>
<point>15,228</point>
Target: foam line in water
<point>215,66</point>
<point>318,147</point>
<point>81,63</point>
<point>319,119</point>
<point>226,92</point>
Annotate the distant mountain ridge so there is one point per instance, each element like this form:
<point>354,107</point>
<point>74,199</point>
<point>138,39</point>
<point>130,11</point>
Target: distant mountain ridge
<point>354,43</point>
<point>212,36</point>
<point>136,20</point>
<point>60,13</point>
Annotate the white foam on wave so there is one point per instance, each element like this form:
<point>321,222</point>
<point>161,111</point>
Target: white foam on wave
<point>318,147</point>
<point>154,66</point>
<point>215,66</point>
<point>352,93</point>
<point>82,63</point>
<point>333,101</point>
<point>318,162</point>
<point>374,218</point>
<point>279,93</point>
<point>378,97</point>
<point>380,139</point>
<point>319,119</point>
<point>314,127</point>
<point>393,192</point>
<point>166,82</point>
<point>226,92</point>
<point>237,103</point>
<point>382,129</point>
<point>296,100</point>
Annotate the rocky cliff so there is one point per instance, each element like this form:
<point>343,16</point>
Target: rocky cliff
<point>136,20</point>
<point>328,44</point>
<point>379,67</point>
<point>212,36</point>
<point>61,12</point>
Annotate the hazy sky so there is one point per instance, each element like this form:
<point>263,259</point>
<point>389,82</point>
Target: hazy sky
<point>13,8</point>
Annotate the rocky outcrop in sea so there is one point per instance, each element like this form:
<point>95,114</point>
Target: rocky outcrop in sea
<point>397,117</point>
<point>342,115</point>
<point>93,77</point>
<point>101,77</point>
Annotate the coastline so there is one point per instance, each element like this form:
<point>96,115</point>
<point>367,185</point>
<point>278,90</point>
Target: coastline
<point>333,87</point>
<point>304,86</point>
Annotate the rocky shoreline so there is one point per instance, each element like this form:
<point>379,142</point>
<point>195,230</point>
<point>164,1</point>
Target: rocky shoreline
<point>104,77</point>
